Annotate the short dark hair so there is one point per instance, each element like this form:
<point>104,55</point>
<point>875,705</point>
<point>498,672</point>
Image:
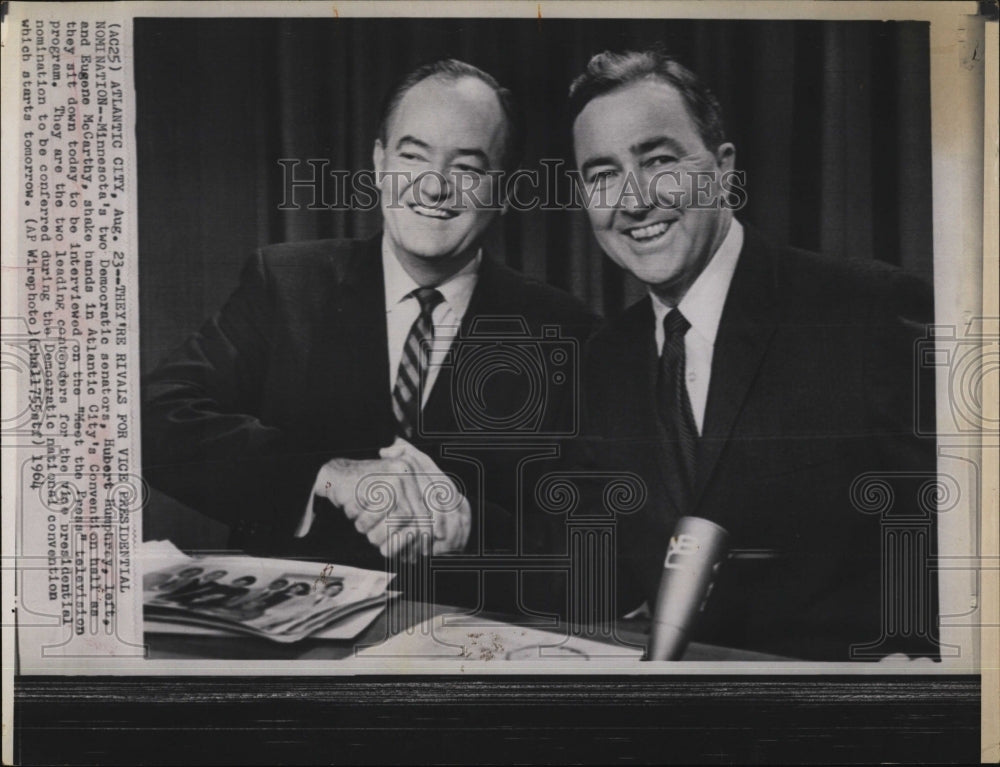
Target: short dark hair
<point>451,70</point>
<point>609,70</point>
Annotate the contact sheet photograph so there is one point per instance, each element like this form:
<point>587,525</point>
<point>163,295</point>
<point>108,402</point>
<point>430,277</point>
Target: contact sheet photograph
<point>577,382</point>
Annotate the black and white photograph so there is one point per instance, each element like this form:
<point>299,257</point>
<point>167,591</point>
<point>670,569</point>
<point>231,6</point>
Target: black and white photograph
<point>534,331</point>
<point>619,383</point>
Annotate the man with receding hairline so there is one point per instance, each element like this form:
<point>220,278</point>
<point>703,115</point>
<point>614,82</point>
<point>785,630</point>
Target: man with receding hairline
<point>320,377</point>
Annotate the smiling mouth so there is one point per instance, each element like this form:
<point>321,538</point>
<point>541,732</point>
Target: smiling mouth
<point>438,213</point>
<point>650,232</point>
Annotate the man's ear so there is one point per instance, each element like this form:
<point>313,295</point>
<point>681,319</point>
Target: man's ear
<point>733,190</point>
<point>378,155</point>
<point>725,156</point>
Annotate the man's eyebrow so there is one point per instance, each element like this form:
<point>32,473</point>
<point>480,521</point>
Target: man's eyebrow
<point>412,140</point>
<point>649,144</point>
<point>473,153</point>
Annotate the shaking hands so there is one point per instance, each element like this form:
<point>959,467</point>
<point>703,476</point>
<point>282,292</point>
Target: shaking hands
<point>402,502</point>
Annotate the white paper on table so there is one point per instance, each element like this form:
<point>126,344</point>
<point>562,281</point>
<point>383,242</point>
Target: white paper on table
<point>470,638</point>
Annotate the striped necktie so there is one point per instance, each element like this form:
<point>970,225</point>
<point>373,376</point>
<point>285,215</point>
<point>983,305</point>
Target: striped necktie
<point>412,364</point>
<point>675,411</point>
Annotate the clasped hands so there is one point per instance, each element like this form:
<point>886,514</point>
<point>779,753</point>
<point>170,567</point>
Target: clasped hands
<point>402,492</point>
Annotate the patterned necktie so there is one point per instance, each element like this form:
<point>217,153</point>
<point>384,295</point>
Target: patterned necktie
<point>412,371</point>
<point>675,411</point>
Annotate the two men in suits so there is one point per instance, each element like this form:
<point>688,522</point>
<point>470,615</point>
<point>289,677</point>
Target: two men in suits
<point>757,386</point>
<point>323,411</point>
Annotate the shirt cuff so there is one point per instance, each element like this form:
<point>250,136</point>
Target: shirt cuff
<point>305,524</point>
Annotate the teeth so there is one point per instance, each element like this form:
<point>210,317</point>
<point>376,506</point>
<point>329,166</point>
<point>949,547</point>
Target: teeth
<point>431,212</point>
<point>648,232</point>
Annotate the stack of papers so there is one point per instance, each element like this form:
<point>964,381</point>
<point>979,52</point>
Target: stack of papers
<point>280,600</point>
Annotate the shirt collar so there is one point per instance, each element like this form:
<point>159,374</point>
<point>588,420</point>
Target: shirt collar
<point>456,290</point>
<point>703,303</point>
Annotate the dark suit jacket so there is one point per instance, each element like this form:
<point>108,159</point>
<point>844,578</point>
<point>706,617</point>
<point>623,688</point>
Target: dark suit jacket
<point>813,385</point>
<point>293,371</point>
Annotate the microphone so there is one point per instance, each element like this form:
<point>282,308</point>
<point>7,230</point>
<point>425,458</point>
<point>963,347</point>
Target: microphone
<point>696,550</point>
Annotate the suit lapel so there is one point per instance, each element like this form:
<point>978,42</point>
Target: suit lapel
<point>749,319</point>
<point>622,389</point>
<point>497,295</point>
<point>351,348</point>
<point>631,403</point>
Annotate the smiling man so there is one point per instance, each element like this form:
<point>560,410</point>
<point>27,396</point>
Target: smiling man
<point>313,413</point>
<point>437,157</point>
<point>643,182</point>
<point>760,387</point>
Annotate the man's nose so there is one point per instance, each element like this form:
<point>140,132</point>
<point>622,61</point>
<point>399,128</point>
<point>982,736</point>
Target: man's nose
<point>635,197</point>
<point>433,186</point>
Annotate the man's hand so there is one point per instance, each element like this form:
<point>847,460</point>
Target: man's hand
<point>441,498</point>
<point>377,495</point>
<point>404,492</point>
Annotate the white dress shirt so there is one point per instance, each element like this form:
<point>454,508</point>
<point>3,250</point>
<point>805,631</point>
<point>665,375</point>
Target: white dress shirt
<point>702,307</point>
<point>402,309</point>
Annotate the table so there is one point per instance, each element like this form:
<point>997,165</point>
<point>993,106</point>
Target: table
<point>192,647</point>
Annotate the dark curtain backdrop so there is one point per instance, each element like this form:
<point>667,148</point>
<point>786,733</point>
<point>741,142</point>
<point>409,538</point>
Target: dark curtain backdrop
<point>831,122</point>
